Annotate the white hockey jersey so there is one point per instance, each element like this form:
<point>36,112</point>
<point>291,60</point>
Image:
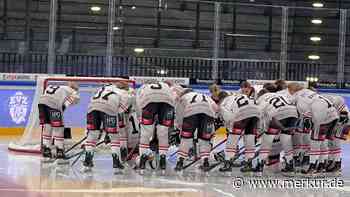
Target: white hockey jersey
<point>285,93</point>
<point>305,98</point>
<point>194,103</point>
<point>154,93</point>
<point>58,97</point>
<point>177,91</point>
<point>338,102</point>
<point>238,107</point>
<point>254,93</point>
<point>274,105</point>
<point>311,104</point>
<point>110,100</point>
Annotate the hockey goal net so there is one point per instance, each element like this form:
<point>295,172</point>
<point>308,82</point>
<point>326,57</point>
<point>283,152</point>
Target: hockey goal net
<point>74,117</point>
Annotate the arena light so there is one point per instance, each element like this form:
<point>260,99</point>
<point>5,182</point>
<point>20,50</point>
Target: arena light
<point>316,21</point>
<point>139,50</point>
<point>312,79</point>
<point>314,57</point>
<point>116,28</point>
<point>133,7</point>
<point>95,8</point>
<point>318,5</point>
<point>162,72</point>
<point>315,38</point>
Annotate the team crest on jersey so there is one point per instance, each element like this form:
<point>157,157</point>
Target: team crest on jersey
<point>18,106</point>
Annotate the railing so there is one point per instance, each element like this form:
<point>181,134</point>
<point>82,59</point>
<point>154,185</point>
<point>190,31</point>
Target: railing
<point>197,68</point>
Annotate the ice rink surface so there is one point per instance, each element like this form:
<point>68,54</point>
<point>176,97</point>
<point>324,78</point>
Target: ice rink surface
<point>25,176</point>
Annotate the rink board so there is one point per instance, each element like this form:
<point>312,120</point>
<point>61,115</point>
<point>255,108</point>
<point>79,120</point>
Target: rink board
<point>16,101</point>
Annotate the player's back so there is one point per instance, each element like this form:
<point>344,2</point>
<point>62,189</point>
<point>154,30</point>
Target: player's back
<point>54,96</point>
<point>308,101</point>
<point>277,106</point>
<point>285,93</point>
<point>154,93</point>
<point>239,107</point>
<point>197,103</point>
<point>106,99</point>
<point>126,100</point>
<point>338,102</point>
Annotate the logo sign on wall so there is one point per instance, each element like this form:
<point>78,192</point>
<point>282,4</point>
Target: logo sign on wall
<point>18,107</point>
<point>176,80</point>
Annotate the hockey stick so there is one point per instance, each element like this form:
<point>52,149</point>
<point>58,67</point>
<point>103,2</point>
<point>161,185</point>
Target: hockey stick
<point>197,159</point>
<point>194,161</point>
<point>256,154</point>
<point>77,159</point>
<point>129,156</point>
<point>79,154</point>
<point>75,145</point>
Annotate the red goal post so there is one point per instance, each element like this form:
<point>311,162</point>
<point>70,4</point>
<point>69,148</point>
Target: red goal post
<point>31,141</point>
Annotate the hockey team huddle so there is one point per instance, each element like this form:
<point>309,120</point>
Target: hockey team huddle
<point>306,127</point>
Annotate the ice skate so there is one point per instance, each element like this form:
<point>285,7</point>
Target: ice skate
<point>311,171</point>
<point>219,156</point>
<point>337,169</point>
<point>179,164</point>
<point>123,153</point>
<point>297,162</point>
<point>88,162</point>
<point>117,166</point>
<point>329,164</point>
<point>205,167</point>
<point>248,167</point>
<point>162,163</point>
<point>305,161</point>
<point>47,155</point>
<point>143,161</point>
<point>320,168</point>
<point>288,169</point>
<point>334,168</point>
<point>61,157</point>
<point>227,166</point>
<point>259,169</point>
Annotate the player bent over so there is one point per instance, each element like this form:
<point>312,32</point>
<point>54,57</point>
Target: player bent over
<point>322,115</point>
<point>156,104</point>
<point>280,116</point>
<point>105,105</point>
<point>128,128</point>
<point>241,116</point>
<point>195,111</point>
<point>52,104</point>
<point>333,165</point>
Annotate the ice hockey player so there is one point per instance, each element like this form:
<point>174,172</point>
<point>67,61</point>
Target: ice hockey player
<point>280,118</point>
<point>52,104</point>
<point>301,137</point>
<point>127,120</point>
<point>195,111</point>
<point>281,85</point>
<point>320,116</point>
<point>248,90</point>
<point>241,116</point>
<point>156,103</point>
<point>215,90</point>
<point>333,165</point>
<point>105,106</point>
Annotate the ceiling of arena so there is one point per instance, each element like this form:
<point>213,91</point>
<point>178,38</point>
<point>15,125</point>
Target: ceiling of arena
<point>176,27</point>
